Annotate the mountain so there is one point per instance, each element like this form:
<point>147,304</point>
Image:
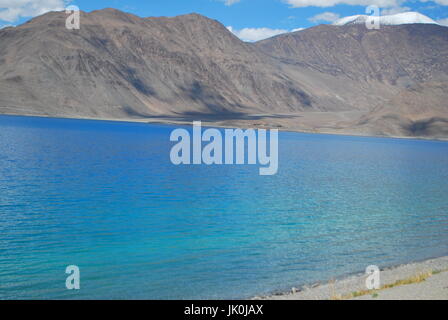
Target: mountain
<point>396,55</point>
<point>119,65</point>
<point>391,20</point>
<point>402,65</point>
<point>335,79</point>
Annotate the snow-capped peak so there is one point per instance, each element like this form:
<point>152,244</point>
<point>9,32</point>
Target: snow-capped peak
<point>394,19</point>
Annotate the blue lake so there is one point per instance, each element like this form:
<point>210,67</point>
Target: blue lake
<point>104,196</point>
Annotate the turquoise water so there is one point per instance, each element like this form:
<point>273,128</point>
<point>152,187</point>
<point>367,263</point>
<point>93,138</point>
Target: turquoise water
<point>104,196</point>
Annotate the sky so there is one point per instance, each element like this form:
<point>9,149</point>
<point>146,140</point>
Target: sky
<point>251,20</point>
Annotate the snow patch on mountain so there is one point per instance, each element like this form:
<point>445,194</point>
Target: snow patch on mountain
<point>394,19</point>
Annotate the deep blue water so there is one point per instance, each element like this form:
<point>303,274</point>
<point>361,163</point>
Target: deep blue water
<point>105,197</point>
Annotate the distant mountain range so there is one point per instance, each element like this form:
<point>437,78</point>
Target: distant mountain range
<point>330,78</point>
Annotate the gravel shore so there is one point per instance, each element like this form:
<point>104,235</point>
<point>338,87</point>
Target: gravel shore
<point>414,281</point>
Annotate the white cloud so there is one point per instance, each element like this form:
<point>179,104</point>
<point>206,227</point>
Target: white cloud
<point>256,34</point>
<point>12,10</point>
<point>230,2</point>
<point>6,26</point>
<point>379,3</point>
<point>443,22</point>
<point>331,3</point>
<point>441,2</point>
<point>325,16</point>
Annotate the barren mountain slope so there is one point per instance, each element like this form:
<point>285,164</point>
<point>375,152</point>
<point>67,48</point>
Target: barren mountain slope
<point>411,59</point>
<point>120,65</point>
<point>397,55</point>
<point>337,79</point>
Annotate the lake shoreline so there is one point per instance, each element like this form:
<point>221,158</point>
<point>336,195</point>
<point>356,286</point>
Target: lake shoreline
<point>425,279</point>
<point>233,125</point>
